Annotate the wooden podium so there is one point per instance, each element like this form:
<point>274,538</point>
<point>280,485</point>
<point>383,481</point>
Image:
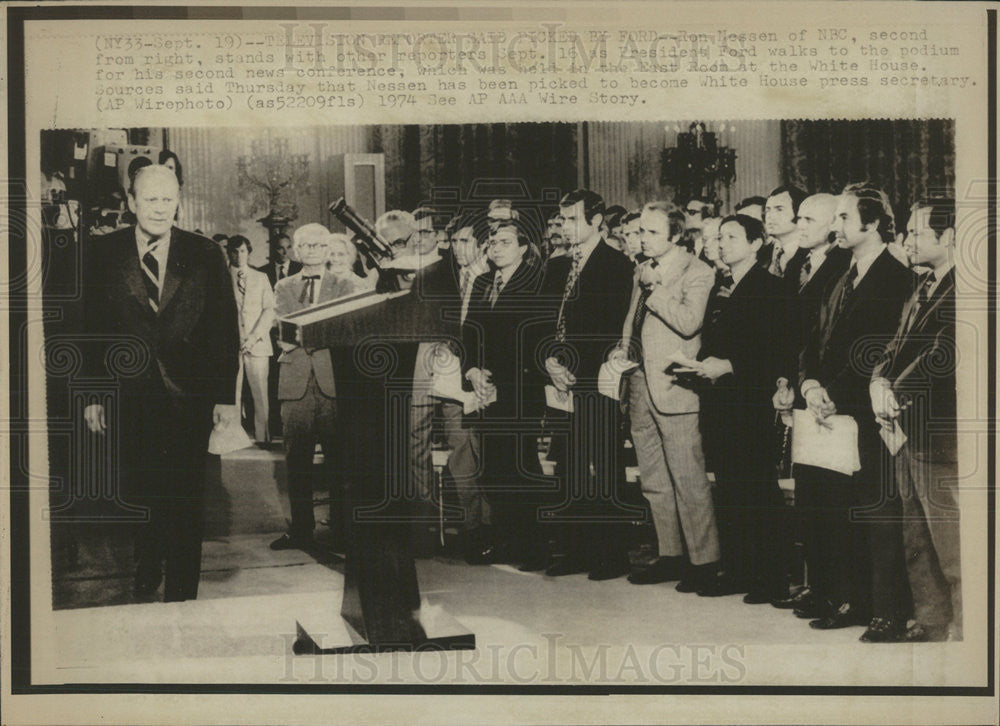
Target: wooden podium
<point>372,339</point>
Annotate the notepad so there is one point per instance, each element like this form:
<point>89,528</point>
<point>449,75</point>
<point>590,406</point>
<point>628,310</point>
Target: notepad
<point>448,386</point>
<point>893,439</point>
<point>828,444</point>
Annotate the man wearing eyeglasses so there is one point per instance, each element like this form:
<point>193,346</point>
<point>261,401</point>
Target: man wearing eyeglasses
<point>306,386</point>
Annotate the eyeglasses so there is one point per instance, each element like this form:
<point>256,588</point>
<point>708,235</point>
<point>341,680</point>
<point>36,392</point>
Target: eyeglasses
<point>693,211</point>
<point>313,245</point>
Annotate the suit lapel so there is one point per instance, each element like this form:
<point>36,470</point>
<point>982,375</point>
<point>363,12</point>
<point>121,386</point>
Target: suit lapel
<point>132,273</point>
<point>944,287</point>
<point>869,282</point>
<point>177,269</point>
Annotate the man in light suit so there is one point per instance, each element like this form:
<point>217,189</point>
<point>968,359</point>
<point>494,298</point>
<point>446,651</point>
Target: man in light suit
<point>306,387</point>
<point>164,296</point>
<point>255,304</point>
<point>665,317</point>
<point>913,389</point>
<point>857,520</point>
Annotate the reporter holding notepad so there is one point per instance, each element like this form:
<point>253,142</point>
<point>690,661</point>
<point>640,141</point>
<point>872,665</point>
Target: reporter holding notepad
<point>855,520</point>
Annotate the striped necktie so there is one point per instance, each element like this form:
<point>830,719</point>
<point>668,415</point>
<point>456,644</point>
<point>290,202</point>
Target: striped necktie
<point>241,283</point>
<point>495,292</point>
<point>574,275</point>
<point>805,272</point>
<point>151,275</point>
<point>923,293</point>
<point>641,309</point>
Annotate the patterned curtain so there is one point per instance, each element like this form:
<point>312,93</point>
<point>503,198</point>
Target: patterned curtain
<point>477,162</point>
<point>908,159</point>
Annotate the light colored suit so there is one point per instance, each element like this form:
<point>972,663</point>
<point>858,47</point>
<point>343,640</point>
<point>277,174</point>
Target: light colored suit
<point>295,365</point>
<point>306,390</point>
<point>255,308</point>
<point>664,415</point>
<point>255,313</point>
<point>673,323</point>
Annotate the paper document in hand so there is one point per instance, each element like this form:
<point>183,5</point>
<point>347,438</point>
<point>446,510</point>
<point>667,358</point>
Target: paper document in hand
<point>609,379</point>
<point>559,400</point>
<point>893,438</point>
<point>828,444</point>
<point>449,387</point>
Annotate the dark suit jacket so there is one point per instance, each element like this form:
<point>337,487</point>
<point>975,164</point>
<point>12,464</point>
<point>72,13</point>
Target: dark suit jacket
<point>843,351</point>
<point>271,270</point>
<point>596,309</point>
<point>495,339</point>
<point>920,365</point>
<point>809,297</point>
<point>751,332</point>
<point>191,344</point>
<point>435,291</point>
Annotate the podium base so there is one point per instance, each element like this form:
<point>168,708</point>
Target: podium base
<point>441,630</point>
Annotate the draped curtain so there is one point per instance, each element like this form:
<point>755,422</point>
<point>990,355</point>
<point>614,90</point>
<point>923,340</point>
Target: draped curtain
<point>533,163</point>
<point>908,159</point>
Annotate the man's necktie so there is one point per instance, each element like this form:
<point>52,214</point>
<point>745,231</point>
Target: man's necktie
<point>309,289</point>
<point>923,293</point>
<point>847,290</point>
<point>151,276</point>
<point>779,254</point>
<point>281,272</point>
<point>495,292</point>
<point>806,272</point>
<point>241,283</point>
<point>641,308</point>
<point>574,275</point>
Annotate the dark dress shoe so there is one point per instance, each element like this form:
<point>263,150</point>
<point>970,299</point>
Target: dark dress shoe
<point>566,566</point>
<point>843,617</point>
<point>534,563</point>
<point>813,610</point>
<point>883,630</point>
<point>804,598</point>
<point>761,595</point>
<point>665,569</point>
<point>698,577</point>
<point>721,586</point>
<point>290,542</point>
<point>609,570</point>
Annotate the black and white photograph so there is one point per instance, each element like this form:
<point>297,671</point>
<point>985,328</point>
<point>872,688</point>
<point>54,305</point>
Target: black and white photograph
<point>354,364</point>
<point>672,400</point>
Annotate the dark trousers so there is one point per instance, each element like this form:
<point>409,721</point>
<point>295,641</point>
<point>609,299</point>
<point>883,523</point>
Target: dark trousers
<point>590,516</point>
<point>164,441</point>
<point>854,541</point>
<point>307,421</point>
<point>837,561</point>
<point>753,536</point>
<point>878,524</point>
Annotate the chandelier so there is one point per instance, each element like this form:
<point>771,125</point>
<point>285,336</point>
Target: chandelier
<point>700,165</point>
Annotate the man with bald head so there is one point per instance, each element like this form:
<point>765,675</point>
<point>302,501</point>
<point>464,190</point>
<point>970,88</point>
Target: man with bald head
<point>817,258</point>
<point>159,302</point>
<point>817,261</point>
